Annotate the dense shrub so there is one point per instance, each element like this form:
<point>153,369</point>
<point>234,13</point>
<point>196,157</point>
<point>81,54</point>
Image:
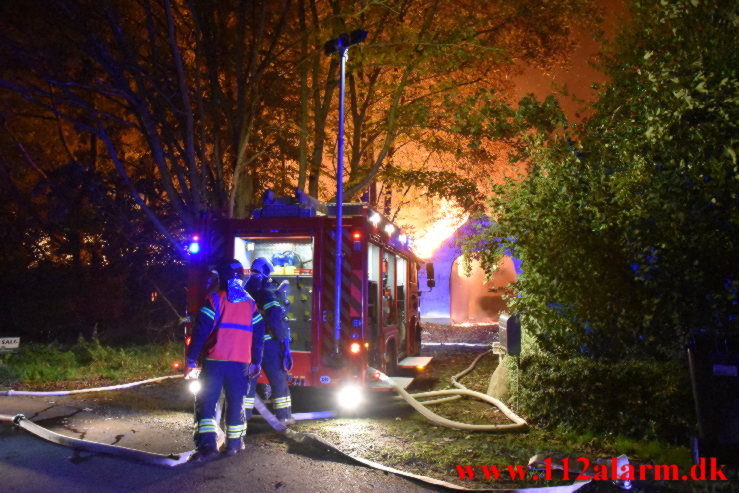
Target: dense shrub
<point>643,399</point>
<point>628,227</point>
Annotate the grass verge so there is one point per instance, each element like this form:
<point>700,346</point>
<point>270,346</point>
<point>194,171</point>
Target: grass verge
<point>393,434</point>
<point>85,364</point>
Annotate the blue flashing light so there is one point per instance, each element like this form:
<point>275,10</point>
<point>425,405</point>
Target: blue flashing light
<point>194,246</point>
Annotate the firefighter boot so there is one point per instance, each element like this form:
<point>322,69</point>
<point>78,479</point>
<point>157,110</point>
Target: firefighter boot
<point>283,410</point>
<point>206,446</point>
<point>234,446</point>
<point>285,416</point>
<point>235,439</point>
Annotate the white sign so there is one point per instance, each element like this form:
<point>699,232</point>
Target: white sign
<point>9,343</point>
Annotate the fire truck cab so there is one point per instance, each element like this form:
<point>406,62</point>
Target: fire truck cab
<point>379,325</point>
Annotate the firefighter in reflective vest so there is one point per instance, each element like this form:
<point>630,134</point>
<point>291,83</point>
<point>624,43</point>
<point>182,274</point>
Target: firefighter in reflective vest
<point>228,336</point>
<point>277,359</point>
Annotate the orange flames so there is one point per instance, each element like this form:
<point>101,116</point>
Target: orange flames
<point>451,218</point>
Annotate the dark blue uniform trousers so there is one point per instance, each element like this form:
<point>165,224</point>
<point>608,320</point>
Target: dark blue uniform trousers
<point>272,366</point>
<point>231,376</point>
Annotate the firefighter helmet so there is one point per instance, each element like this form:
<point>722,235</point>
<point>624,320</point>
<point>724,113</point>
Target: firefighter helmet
<point>262,266</point>
<point>228,269</point>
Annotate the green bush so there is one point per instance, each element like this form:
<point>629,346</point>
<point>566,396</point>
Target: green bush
<point>86,352</point>
<point>627,228</point>
<point>647,399</point>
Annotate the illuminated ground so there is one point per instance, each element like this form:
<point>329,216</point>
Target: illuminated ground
<point>158,418</point>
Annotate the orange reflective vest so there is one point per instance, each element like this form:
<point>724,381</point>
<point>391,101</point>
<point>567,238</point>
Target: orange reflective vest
<point>231,337</point>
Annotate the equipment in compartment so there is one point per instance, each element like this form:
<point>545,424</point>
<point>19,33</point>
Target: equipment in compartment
<point>300,296</point>
<point>292,258</point>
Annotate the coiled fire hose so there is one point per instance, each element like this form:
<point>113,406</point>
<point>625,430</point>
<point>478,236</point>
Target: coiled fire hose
<point>519,424</point>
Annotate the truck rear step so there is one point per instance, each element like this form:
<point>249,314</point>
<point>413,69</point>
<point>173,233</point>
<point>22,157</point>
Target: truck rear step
<point>379,385</point>
<point>415,362</point>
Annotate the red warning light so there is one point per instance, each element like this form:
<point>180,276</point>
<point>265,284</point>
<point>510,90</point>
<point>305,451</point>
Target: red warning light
<point>187,340</point>
<point>176,365</point>
<point>354,348</point>
<point>357,236</point>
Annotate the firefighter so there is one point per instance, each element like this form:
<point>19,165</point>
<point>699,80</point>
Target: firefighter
<point>277,359</point>
<point>228,336</point>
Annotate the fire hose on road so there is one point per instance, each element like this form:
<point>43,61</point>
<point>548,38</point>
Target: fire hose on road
<point>171,460</point>
<point>86,445</point>
<point>96,447</point>
<point>82,391</point>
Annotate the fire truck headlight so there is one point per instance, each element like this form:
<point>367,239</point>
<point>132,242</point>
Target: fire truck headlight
<point>195,386</point>
<point>349,396</point>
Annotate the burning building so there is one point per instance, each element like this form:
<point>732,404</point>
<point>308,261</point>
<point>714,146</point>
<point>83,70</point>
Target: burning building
<point>463,295</point>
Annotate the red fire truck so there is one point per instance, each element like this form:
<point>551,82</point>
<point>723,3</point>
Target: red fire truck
<point>379,308</point>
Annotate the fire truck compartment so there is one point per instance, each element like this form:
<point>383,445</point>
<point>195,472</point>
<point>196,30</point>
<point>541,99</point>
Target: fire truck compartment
<point>292,258</point>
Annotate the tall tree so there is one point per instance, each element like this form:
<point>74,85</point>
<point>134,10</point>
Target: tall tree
<point>172,91</point>
<point>198,104</point>
<point>629,237</point>
<point>417,87</point>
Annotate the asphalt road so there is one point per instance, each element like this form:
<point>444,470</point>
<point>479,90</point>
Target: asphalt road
<point>157,418</point>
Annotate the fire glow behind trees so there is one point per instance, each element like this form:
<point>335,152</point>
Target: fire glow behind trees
<point>199,106</point>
